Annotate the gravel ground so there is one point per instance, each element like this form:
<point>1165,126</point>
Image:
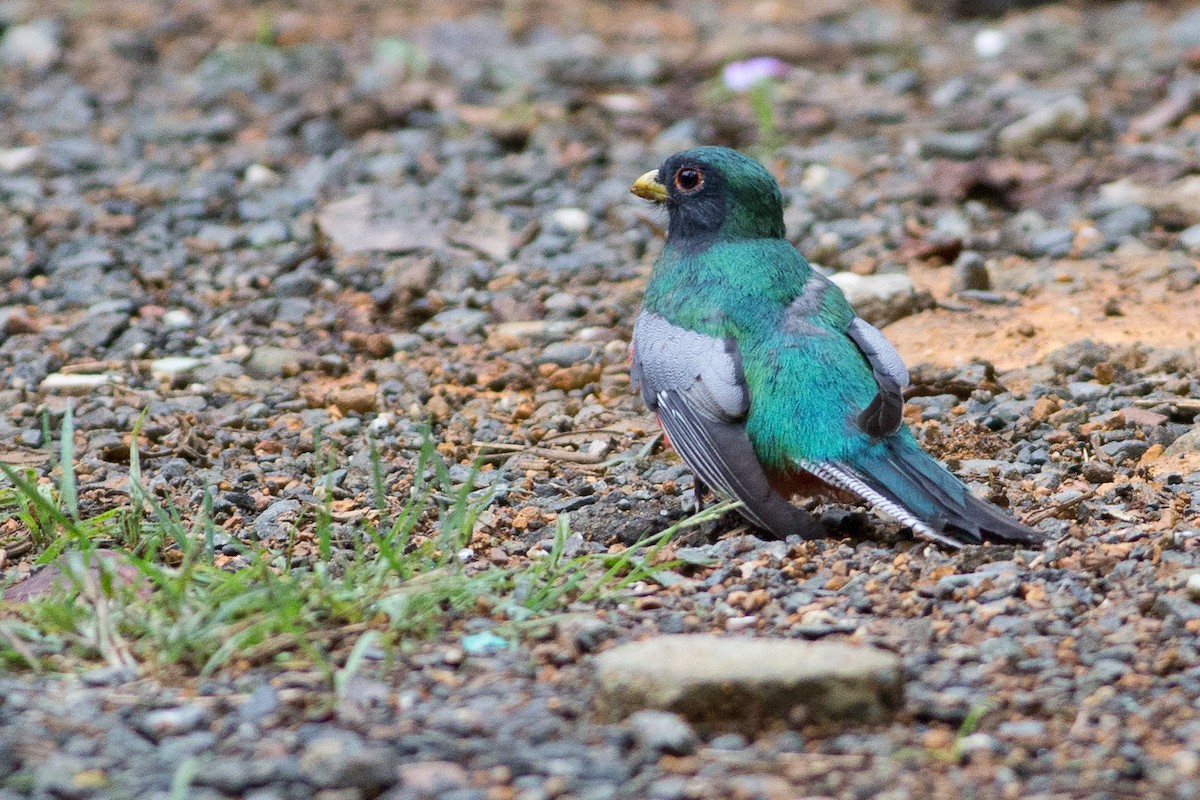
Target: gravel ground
<point>259,224</point>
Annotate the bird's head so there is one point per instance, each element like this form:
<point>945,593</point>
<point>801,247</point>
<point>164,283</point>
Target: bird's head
<point>714,194</point>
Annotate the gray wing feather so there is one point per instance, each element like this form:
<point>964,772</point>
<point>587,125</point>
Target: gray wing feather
<point>694,382</point>
<point>667,356</point>
<point>884,415</point>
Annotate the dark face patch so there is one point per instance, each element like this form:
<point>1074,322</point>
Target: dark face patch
<point>714,193</point>
<point>696,201</point>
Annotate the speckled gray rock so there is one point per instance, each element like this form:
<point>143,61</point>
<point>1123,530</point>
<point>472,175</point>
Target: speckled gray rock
<point>1065,118</point>
<point>727,683</point>
<point>662,731</point>
<point>880,299</point>
<point>970,273</point>
<point>275,362</point>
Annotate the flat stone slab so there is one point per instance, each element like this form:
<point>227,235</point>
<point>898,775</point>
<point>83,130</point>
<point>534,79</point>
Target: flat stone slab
<point>723,683</point>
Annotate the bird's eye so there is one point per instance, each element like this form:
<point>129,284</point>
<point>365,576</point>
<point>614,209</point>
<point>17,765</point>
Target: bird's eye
<point>688,179</point>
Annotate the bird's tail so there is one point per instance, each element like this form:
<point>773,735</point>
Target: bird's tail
<point>899,478</point>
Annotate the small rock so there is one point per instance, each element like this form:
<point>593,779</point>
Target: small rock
<point>178,319</point>
<point>723,683</point>
<point>570,221</point>
<point>956,145</point>
<point>990,43</point>
<point>1187,444</point>
<point>1083,391</point>
<point>1127,450</point>
<point>455,324</point>
<point>484,643</point>
<point>1143,417</point>
<point>77,384</point>
<point>260,175</point>
<point>394,222</point>
<point>432,777</point>
<point>339,760</point>
<point>267,362</point>
<point>35,46</point>
<point>1051,243</point>
<point>171,366</point>
<point>15,159</point>
<point>174,721</point>
<point>1098,472</point>
<point>1130,220</point>
<point>1185,31</point>
<point>566,354</point>
<point>663,732</point>
<point>880,299</point>
<point>970,273</point>
<point>1025,729</point>
<point>1043,407</point>
<point>1065,118</point>
<point>354,400</point>
<point>1193,586</point>
<point>488,233</point>
<point>276,521</point>
<point>1190,238</point>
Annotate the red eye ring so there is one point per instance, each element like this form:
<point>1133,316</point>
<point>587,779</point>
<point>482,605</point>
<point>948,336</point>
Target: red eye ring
<point>688,179</point>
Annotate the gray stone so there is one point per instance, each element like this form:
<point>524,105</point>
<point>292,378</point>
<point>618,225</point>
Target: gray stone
<point>1022,729</point>
<point>35,46</point>
<point>957,145</point>
<point>339,760</point>
<point>1127,450</point>
<point>268,362</point>
<point>171,366</point>
<point>1082,391</point>
<point>174,721</point>
<point>1185,31</point>
<point>881,299</point>
<point>277,520</point>
<point>78,384</point>
<point>566,354</point>
<point>1097,472</point>
<point>1189,238</point>
<point>970,273</point>
<point>1065,118</point>
<point>217,368</point>
<point>1053,243</point>
<point>1185,445</point>
<point>455,324</point>
<point>727,683</point>
<point>100,330</point>
<point>663,732</point>
<point>234,775</point>
<point>300,283</point>
<point>1124,221</point>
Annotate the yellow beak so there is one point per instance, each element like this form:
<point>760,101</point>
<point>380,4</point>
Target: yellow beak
<point>648,188</point>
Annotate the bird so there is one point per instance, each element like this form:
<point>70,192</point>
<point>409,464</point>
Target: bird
<point>764,379</point>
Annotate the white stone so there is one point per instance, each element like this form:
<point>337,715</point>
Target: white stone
<point>1193,586</point>
<point>178,319</point>
<point>741,683</point>
<point>1065,118</point>
<point>569,220</point>
<point>861,288</point>
<point>260,175</point>
<point>15,159</point>
<point>171,366</point>
<point>990,43</point>
<point>33,46</point>
<point>1190,237</point>
<point>78,385</point>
